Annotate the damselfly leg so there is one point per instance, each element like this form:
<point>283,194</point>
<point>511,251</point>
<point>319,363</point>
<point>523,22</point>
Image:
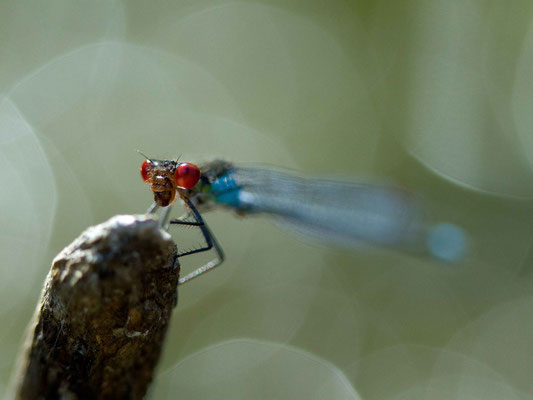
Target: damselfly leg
<point>210,243</point>
<point>152,208</point>
<point>210,240</point>
<point>163,217</point>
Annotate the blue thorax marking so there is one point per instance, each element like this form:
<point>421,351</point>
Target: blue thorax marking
<point>223,183</point>
<point>226,190</point>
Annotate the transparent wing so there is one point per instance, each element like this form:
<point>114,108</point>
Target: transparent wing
<point>341,213</point>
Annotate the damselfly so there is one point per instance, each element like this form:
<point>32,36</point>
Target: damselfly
<point>340,213</point>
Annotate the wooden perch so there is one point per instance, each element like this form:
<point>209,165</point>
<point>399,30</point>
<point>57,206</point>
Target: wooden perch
<point>105,307</point>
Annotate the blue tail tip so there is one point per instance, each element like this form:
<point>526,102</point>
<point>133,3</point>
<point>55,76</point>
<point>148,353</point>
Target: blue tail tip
<point>447,242</point>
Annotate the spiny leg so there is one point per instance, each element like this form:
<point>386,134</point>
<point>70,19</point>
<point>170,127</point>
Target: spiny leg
<point>210,241</point>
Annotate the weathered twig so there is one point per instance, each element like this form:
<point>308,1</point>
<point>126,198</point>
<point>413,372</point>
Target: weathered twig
<point>103,314</point>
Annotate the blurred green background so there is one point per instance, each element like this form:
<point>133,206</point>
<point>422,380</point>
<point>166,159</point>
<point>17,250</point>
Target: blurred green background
<point>436,96</point>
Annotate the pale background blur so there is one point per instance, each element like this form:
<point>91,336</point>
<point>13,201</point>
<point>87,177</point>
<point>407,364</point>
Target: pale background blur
<point>434,95</point>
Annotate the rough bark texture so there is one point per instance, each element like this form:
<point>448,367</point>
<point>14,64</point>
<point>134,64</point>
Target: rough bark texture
<point>103,314</point>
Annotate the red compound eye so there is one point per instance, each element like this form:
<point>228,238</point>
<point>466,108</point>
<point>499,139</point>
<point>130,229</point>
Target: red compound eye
<point>187,175</point>
<point>145,170</point>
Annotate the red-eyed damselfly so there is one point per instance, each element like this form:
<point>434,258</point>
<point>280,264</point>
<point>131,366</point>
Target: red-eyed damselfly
<point>341,213</point>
